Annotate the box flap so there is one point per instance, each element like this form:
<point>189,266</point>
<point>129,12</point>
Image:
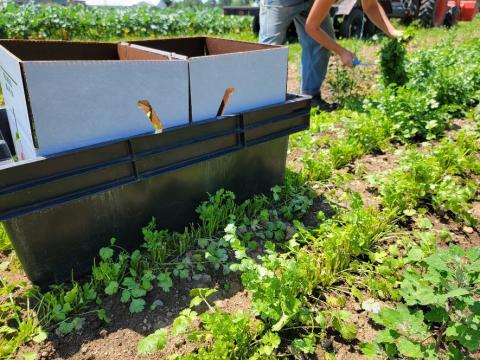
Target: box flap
<point>216,46</point>
<point>16,104</point>
<point>188,46</point>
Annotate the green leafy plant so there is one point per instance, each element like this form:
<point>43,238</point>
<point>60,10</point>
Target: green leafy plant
<point>392,62</point>
<point>443,313</point>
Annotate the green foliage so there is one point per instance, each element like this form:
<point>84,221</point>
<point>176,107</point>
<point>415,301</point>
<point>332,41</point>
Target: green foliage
<point>392,62</point>
<point>294,198</point>
<point>4,241</point>
<point>415,114</point>
<point>104,23</point>
<point>443,313</point>
<point>434,179</point>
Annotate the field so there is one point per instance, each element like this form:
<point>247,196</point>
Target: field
<point>371,247</point>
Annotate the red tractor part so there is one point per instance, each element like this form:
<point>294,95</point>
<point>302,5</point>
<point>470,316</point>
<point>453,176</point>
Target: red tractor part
<point>459,10</point>
<point>468,10</point>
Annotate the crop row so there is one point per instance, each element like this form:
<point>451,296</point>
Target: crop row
<point>103,23</point>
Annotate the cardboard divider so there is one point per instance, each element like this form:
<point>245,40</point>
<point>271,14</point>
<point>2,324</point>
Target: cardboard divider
<point>151,114</point>
<point>132,52</point>
<point>224,102</point>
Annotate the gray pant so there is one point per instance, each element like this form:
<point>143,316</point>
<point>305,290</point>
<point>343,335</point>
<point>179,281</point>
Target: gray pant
<point>275,17</point>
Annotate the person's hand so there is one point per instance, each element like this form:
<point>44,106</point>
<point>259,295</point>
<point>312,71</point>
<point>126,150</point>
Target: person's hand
<point>396,34</point>
<point>347,58</point>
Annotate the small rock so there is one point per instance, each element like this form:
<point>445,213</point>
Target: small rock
<point>44,354</point>
<point>157,303</point>
<point>103,333</point>
<point>169,314</point>
<point>145,320</point>
<point>468,229</point>
<point>179,343</point>
<point>84,349</point>
<point>327,344</point>
<point>160,324</point>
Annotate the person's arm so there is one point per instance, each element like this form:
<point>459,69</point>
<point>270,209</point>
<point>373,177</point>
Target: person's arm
<point>319,11</point>
<point>377,15</point>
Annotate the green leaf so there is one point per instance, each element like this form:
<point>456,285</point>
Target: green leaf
<point>270,341</point>
<point>106,253</point>
<point>438,315</point>
<point>305,345</point>
<point>102,315</point>
<point>281,323</point>
<point>111,288</point>
<point>125,296</point>
<point>369,349</point>
<point>40,337</point>
<point>455,354</point>
<point>66,327</point>
<point>410,349</point>
<point>415,255</point>
<point>165,281</point>
<point>153,342</point>
<point>197,300</point>
<point>138,292</point>
<point>321,321</point>
<point>29,355</point>
<point>457,292</point>
<point>387,336</point>
<point>356,293</point>
<point>180,325</point>
<point>137,305</point>
<point>347,330</point>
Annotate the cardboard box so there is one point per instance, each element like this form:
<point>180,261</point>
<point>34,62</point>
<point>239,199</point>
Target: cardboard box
<point>66,95</point>
<point>255,74</point>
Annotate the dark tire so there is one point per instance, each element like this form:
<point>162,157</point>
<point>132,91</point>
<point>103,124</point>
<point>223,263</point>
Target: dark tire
<point>411,11</point>
<point>370,29</point>
<point>256,24</point>
<point>352,24</point>
<point>430,13</point>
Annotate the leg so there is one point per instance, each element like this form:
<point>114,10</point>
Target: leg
<point>314,56</point>
<point>275,16</point>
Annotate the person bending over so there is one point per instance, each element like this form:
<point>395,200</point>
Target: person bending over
<point>320,11</point>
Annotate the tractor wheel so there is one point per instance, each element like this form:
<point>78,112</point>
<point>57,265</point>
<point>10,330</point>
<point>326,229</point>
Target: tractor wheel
<point>353,24</point>
<point>432,12</point>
